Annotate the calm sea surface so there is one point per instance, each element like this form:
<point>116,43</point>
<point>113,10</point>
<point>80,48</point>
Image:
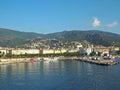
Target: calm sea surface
<point>61,75</point>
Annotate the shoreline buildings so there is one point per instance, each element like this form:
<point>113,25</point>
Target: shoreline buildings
<point>56,47</point>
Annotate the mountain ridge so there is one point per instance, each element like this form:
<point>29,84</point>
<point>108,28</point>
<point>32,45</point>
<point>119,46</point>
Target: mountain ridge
<point>10,37</point>
<point>92,36</point>
<point>14,38</point>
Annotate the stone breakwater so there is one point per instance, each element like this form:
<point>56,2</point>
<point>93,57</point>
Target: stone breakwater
<point>98,62</point>
<point>103,62</point>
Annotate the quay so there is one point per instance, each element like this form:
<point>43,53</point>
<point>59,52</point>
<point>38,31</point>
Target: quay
<point>102,62</point>
<point>13,60</point>
<point>98,62</point>
<point>82,59</point>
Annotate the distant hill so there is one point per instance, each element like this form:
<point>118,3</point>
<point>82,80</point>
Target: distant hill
<point>12,38</point>
<point>93,36</point>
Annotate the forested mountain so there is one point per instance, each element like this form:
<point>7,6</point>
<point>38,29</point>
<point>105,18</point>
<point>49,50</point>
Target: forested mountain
<point>93,36</point>
<point>14,38</point>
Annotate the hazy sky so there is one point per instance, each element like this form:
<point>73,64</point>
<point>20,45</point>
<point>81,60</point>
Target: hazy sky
<point>47,16</point>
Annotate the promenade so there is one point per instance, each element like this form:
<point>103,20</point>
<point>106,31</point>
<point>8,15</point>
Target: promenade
<point>13,60</point>
<point>100,61</point>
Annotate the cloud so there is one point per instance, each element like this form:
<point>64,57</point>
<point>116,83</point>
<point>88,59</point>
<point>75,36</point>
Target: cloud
<point>111,25</point>
<point>96,22</point>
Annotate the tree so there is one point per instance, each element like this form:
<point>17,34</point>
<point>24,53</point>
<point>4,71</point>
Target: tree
<point>117,52</point>
<point>93,53</point>
<point>99,53</point>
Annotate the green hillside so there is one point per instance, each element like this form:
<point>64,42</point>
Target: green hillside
<point>94,36</point>
<point>12,38</point>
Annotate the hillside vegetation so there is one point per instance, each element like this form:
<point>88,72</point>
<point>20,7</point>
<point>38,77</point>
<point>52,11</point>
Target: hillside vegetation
<point>93,36</point>
<point>12,38</point>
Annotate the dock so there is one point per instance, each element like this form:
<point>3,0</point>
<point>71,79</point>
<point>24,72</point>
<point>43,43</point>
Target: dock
<point>98,62</point>
<point>102,62</point>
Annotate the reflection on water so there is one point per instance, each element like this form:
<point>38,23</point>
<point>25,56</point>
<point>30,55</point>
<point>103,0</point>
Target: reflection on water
<point>61,75</point>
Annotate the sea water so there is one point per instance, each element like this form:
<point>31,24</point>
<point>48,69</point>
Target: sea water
<point>59,75</point>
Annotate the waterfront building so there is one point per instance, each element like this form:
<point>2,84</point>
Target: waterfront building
<point>52,51</point>
<point>101,49</point>
<point>114,49</point>
<point>2,51</point>
<point>46,51</point>
<point>72,50</point>
<point>85,51</point>
<point>24,51</point>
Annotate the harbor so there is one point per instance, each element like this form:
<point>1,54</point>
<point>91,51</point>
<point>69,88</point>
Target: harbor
<point>69,74</point>
<point>103,62</point>
<point>99,61</point>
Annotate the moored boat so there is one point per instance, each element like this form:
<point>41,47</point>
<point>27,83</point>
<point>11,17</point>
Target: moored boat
<point>50,58</point>
<point>35,59</point>
<point>110,58</point>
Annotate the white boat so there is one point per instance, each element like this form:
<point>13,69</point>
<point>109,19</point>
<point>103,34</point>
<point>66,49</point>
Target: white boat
<point>50,58</point>
<point>109,58</point>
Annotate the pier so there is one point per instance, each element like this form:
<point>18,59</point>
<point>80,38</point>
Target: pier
<point>103,62</point>
<point>98,62</point>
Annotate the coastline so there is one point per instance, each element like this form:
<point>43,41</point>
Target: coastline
<point>4,61</point>
<point>97,62</point>
<point>13,60</point>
